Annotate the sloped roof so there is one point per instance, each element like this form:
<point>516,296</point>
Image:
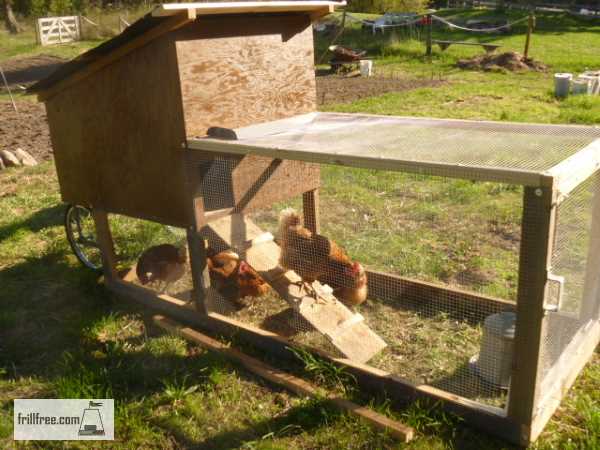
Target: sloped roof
<point>162,19</point>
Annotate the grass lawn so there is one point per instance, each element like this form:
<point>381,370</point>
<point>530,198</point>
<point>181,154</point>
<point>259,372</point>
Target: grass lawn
<point>63,335</point>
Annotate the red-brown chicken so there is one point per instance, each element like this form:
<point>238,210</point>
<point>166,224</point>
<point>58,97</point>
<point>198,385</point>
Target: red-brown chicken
<point>162,263</point>
<point>315,257</point>
<point>232,278</point>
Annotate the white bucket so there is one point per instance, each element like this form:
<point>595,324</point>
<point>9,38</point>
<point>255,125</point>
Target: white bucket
<point>581,86</point>
<point>366,67</point>
<point>562,84</point>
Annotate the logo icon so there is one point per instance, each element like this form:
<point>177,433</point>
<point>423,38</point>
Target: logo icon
<point>91,421</point>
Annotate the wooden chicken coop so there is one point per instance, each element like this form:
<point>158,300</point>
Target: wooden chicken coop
<point>481,240</point>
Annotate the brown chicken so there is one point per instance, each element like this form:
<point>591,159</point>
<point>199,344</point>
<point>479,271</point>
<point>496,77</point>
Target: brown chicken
<point>315,257</point>
<point>162,263</point>
<point>232,278</point>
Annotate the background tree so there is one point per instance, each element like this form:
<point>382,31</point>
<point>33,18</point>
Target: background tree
<point>9,17</point>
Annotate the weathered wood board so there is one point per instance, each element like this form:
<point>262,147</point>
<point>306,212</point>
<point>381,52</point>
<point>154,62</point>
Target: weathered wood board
<point>346,330</point>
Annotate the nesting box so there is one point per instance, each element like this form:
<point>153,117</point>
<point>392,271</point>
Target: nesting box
<point>453,220</point>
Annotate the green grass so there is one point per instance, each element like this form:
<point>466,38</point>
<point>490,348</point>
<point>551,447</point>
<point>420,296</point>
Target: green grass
<point>63,335</point>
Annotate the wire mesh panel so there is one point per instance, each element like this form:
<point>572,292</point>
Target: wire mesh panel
<point>518,147</point>
<point>440,258</point>
<point>573,290</point>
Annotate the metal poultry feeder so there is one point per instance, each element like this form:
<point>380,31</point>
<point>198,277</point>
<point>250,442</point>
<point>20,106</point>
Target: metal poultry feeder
<point>247,69</point>
<point>494,361</point>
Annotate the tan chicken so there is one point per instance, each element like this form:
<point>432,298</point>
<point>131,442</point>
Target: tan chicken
<point>163,263</point>
<point>233,278</point>
<point>315,257</point>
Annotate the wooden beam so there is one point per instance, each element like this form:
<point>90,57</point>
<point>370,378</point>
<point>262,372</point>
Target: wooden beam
<point>461,171</point>
<point>105,242</point>
<point>167,25</point>
<point>417,292</point>
<point>539,212</point>
<point>376,381</point>
<point>574,170</point>
<point>310,206</point>
<point>286,380</point>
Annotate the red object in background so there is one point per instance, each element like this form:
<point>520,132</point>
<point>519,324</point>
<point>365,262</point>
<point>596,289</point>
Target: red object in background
<point>426,20</point>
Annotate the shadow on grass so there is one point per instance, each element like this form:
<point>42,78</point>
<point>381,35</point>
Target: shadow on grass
<point>44,218</point>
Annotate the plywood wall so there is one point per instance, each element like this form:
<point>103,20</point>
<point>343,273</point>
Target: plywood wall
<point>237,71</point>
<point>117,134</point>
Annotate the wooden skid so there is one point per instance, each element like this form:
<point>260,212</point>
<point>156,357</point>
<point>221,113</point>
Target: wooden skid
<point>345,330</point>
<point>286,380</point>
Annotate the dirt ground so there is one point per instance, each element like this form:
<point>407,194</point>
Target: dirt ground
<point>26,71</point>
<point>511,61</point>
<point>339,89</point>
<point>28,128</point>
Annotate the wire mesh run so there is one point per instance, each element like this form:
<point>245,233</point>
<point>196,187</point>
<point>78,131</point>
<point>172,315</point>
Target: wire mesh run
<point>441,258</point>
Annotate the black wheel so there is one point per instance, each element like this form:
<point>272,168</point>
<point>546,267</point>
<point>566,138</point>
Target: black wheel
<point>81,234</point>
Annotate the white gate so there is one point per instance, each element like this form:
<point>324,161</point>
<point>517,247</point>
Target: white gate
<point>57,30</point>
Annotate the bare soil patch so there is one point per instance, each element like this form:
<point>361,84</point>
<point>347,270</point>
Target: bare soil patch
<point>509,61</point>
<point>26,71</point>
<point>27,129</point>
<point>340,89</point>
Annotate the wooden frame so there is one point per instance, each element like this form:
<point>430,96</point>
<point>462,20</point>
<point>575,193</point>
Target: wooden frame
<point>539,212</point>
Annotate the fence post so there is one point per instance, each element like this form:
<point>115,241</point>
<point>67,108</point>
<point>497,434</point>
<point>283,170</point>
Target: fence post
<point>530,25</point>
<point>428,24</point>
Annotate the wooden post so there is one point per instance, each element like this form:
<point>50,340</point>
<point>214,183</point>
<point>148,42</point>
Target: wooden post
<point>310,205</point>
<point>105,242</point>
<point>197,251</point>
<point>530,26</point>
<point>429,25</point>
<point>537,229</point>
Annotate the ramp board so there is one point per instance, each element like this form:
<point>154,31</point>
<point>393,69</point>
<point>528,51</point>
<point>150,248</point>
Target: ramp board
<point>345,330</point>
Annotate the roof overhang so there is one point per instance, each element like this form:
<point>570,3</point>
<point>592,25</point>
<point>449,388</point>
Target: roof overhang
<point>316,9</point>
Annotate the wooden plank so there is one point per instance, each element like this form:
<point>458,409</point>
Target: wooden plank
<point>168,9</point>
<point>574,170</point>
<point>200,275</point>
<point>169,24</point>
<point>326,314</point>
<point>105,242</point>
<point>478,173</point>
<point>286,380</point>
<point>579,352</point>
<point>539,213</point>
<point>371,380</point>
<point>417,292</point>
<point>310,206</point>
<point>124,154</point>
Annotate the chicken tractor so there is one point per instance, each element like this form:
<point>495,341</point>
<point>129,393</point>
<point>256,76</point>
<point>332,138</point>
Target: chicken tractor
<point>446,260</point>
